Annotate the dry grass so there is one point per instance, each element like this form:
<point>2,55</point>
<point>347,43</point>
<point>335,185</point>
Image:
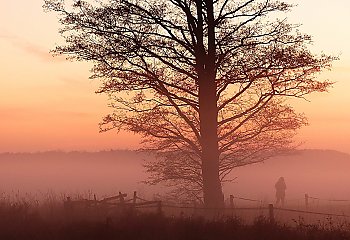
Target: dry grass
<point>28,219</point>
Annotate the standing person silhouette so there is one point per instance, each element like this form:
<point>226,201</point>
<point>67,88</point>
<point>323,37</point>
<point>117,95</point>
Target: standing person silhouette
<point>280,191</point>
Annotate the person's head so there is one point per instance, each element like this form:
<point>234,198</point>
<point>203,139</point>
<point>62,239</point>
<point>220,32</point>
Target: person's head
<point>281,179</point>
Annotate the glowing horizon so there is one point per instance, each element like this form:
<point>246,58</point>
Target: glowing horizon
<point>49,104</point>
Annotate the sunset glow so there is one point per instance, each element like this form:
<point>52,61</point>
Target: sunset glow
<point>48,103</point>
<point>174,119</point>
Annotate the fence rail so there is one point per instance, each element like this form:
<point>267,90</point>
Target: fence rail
<point>139,203</point>
<point>330,200</point>
<point>312,212</point>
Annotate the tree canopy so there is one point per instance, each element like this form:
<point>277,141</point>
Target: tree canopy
<point>204,82</point>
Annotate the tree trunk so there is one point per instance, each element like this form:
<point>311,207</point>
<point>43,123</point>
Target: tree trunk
<point>208,113</point>
<point>212,190</point>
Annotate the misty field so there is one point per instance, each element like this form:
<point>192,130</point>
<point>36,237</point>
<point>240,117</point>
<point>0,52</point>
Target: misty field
<point>27,218</point>
<point>322,174</point>
<point>29,211</point>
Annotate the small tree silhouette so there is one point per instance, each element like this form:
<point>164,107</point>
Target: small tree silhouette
<point>204,82</point>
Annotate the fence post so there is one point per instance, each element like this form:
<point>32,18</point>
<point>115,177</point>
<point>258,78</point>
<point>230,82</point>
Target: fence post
<point>232,205</point>
<point>194,206</point>
<point>271,214</point>
<point>306,200</point>
<point>159,207</point>
<point>68,204</point>
<point>95,200</point>
<point>121,198</point>
<point>134,198</point>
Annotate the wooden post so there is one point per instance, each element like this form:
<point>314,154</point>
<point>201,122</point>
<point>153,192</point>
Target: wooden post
<point>271,214</point>
<point>121,198</point>
<point>232,205</point>
<point>306,200</point>
<point>159,207</point>
<point>133,206</point>
<point>68,209</point>
<point>95,200</point>
<point>108,221</point>
<point>134,198</point>
<point>68,205</point>
<point>194,206</point>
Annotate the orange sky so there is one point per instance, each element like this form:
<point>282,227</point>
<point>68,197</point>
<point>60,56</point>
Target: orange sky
<point>49,104</point>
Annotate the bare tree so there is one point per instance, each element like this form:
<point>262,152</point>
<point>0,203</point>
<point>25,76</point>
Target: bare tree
<point>268,133</point>
<point>204,82</point>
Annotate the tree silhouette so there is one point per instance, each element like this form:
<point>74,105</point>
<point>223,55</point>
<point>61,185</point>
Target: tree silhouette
<point>268,133</point>
<point>204,82</point>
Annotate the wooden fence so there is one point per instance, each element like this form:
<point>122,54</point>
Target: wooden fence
<point>120,201</point>
<point>117,201</point>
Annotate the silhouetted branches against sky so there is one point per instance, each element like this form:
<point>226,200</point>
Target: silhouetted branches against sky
<point>149,55</point>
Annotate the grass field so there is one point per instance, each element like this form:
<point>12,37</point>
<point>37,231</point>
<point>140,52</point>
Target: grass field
<point>29,220</point>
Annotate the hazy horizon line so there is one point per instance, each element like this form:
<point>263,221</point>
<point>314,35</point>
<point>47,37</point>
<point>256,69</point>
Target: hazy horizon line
<point>130,150</point>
